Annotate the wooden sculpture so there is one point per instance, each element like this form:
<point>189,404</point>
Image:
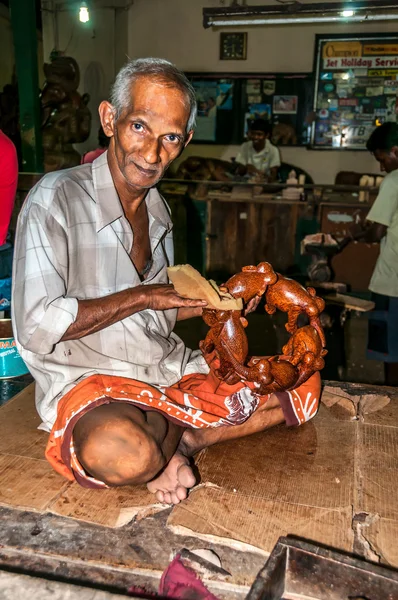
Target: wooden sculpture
<point>289,296</point>
<point>226,339</point>
<point>251,281</point>
<point>226,332</point>
<point>269,374</point>
<point>305,339</point>
<point>66,118</point>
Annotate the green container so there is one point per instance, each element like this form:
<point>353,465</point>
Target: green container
<point>11,363</point>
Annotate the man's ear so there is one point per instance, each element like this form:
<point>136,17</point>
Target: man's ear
<point>188,138</point>
<point>394,150</point>
<point>107,116</point>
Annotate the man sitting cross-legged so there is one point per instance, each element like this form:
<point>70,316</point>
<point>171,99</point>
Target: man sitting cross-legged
<point>124,400</point>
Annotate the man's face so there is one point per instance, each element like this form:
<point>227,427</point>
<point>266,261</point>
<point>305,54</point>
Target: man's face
<point>388,160</point>
<point>258,138</point>
<point>150,134</point>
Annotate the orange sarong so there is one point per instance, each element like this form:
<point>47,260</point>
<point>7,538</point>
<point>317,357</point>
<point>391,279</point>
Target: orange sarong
<point>197,401</point>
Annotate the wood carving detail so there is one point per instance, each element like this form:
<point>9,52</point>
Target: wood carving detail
<point>301,357</point>
<point>227,336</point>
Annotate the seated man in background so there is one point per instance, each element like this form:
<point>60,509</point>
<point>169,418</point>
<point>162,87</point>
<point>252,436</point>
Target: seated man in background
<point>124,400</point>
<point>382,227</point>
<point>258,157</point>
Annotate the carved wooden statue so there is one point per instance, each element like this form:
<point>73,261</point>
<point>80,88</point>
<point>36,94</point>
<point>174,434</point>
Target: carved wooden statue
<point>226,331</point>
<point>226,340</point>
<point>269,374</point>
<point>291,297</point>
<point>251,281</point>
<point>66,119</point>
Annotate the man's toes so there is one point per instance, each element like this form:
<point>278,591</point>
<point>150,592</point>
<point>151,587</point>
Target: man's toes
<point>160,496</point>
<point>167,498</point>
<point>181,492</point>
<point>152,487</point>
<point>174,498</point>
<point>185,476</point>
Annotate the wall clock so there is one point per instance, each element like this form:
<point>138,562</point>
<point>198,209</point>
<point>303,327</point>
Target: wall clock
<point>233,46</point>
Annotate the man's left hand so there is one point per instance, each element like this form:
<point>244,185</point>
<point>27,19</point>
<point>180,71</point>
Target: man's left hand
<point>252,305</point>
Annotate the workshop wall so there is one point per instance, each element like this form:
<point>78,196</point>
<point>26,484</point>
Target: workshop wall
<point>174,30</point>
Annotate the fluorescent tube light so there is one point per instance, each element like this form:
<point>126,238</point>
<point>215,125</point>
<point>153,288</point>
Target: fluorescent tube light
<point>299,20</point>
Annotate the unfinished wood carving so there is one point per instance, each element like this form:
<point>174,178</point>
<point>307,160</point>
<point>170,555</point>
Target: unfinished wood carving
<point>226,339</point>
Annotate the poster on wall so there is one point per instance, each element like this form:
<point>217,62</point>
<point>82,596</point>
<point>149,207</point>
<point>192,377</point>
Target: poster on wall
<point>280,99</point>
<point>211,97</point>
<point>286,105</point>
<point>206,92</point>
<point>356,89</point>
<point>256,111</point>
<point>228,102</point>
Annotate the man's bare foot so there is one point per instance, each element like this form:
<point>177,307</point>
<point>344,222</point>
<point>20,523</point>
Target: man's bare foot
<point>173,484</point>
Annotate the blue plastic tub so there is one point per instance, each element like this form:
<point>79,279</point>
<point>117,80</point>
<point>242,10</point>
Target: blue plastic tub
<point>11,363</point>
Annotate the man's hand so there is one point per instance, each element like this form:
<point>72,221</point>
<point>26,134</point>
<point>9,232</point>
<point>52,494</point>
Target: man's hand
<point>163,297</point>
<point>251,169</point>
<point>252,305</point>
<point>188,312</point>
<point>369,232</point>
<point>97,313</point>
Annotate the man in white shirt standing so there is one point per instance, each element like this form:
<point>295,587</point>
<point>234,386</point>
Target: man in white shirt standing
<point>382,226</point>
<point>258,156</point>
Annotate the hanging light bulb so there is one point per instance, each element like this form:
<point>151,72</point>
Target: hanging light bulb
<point>84,15</point>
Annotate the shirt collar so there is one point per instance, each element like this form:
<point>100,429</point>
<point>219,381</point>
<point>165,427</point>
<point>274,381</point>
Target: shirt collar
<point>265,150</point>
<point>109,207</point>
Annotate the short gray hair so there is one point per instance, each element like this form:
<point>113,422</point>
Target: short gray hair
<point>163,70</point>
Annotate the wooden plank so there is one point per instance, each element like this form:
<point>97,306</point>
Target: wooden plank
<point>288,464</point>
<point>27,480</point>
<point>19,421</point>
<point>244,233</point>
<point>297,481</point>
<point>15,584</point>
<point>350,302</point>
<point>226,517</point>
<point>113,508</point>
<point>28,483</point>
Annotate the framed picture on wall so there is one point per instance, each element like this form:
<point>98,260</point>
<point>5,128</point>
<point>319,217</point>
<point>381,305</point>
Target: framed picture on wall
<point>233,46</point>
<point>227,102</point>
<point>356,88</point>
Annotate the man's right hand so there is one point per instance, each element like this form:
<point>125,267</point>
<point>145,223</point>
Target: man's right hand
<point>97,313</point>
<point>163,297</point>
<point>251,170</point>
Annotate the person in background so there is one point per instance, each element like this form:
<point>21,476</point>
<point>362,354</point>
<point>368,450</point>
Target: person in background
<point>103,143</point>
<point>382,226</point>
<point>8,183</point>
<point>258,157</point>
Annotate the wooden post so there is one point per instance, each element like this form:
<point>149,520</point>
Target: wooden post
<point>23,23</point>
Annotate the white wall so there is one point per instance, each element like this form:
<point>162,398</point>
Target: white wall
<point>96,49</point>
<point>173,29</point>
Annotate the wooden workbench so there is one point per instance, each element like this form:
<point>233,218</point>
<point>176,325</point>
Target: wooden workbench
<point>331,481</point>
